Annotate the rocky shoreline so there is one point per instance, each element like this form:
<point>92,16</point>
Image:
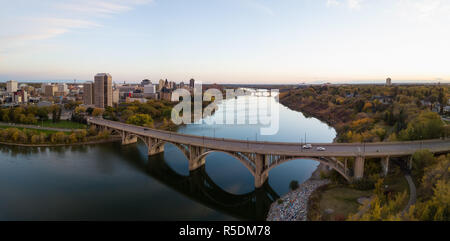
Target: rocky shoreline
<point>294,205</point>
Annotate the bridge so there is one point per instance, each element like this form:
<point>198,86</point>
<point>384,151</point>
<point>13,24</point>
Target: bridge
<point>259,157</point>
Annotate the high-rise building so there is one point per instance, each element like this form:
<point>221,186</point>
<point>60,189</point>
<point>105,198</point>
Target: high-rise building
<point>161,84</point>
<point>50,90</point>
<point>20,97</point>
<point>191,83</point>
<point>388,81</point>
<point>116,96</point>
<point>103,90</point>
<point>149,89</point>
<point>62,88</point>
<point>146,82</point>
<point>11,86</point>
<point>88,93</point>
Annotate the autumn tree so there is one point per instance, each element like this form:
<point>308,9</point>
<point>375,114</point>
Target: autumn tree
<point>141,120</point>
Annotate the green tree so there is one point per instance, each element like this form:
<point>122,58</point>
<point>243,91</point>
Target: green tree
<point>293,185</point>
<point>420,160</point>
<point>42,113</point>
<point>97,112</point>
<point>141,120</point>
<point>428,125</point>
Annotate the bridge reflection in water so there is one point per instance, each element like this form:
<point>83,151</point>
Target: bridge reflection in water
<point>199,186</point>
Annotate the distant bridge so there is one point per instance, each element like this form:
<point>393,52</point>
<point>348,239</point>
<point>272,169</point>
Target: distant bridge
<point>259,157</point>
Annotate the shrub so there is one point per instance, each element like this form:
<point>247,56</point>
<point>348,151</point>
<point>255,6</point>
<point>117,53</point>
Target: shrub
<point>293,185</point>
<point>363,184</point>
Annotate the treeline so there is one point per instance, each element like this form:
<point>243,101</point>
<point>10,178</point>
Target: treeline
<point>154,113</point>
<point>28,115</point>
<point>368,113</point>
<point>431,176</point>
<point>29,136</point>
<point>31,114</point>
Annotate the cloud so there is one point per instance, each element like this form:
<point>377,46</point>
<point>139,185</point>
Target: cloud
<point>21,30</point>
<point>423,10</point>
<point>354,4</point>
<point>67,23</point>
<point>97,7</point>
<point>351,4</point>
<point>332,3</point>
<point>255,4</point>
<point>34,29</point>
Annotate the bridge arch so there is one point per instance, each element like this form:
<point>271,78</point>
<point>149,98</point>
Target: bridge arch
<point>241,158</point>
<point>143,139</point>
<point>334,164</point>
<point>158,146</point>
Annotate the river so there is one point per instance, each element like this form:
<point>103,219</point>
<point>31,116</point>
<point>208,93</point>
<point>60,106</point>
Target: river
<point>115,182</point>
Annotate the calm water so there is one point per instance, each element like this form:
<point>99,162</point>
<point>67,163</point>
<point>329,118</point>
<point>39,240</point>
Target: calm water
<point>115,182</point>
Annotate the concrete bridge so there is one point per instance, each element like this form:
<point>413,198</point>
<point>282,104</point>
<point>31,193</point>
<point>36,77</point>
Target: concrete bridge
<point>260,157</point>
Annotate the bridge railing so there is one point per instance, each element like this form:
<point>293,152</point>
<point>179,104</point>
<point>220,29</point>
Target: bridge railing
<point>102,121</point>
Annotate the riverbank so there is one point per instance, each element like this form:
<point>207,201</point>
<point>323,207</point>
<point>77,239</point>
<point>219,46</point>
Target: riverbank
<point>334,118</point>
<point>294,205</point>
<point>108,140</point>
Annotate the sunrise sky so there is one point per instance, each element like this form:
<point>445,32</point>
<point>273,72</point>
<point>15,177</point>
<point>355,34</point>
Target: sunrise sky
<point>226,41</point>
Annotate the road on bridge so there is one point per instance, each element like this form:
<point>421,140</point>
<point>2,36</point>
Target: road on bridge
<point>378,149</point>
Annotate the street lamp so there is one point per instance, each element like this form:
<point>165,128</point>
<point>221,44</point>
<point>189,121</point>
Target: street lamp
<point>300,143</point>
<point>421,140</point>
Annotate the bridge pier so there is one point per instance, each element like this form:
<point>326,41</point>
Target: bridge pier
<point>195,164</point>
<point>409,162</point>
<point>260,176</point>
<point>359,167</point>
<point>194,161</point>
<point>128,139</point>
<point>385,165</point>
<point>152,150</point>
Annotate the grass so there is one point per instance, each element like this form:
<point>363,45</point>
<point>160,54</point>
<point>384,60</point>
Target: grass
<point>397,184</point>
<point>21,128</point>
<point>62,124</point>
<point>343,201</point>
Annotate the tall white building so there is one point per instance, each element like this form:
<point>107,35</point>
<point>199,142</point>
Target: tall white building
<point>149,89</point>
<point>62,88</point>
<point>115,96</point>
<point>388,81</point>
<point>161,84</point>
<point>11,86</point>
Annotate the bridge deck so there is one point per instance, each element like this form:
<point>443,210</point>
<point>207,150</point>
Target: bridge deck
<point>281,148</point>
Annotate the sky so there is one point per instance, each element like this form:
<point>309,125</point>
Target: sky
<point>226,41</point>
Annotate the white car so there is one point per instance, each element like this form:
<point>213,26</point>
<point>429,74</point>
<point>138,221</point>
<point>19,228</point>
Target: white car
<point>307,146</point>
<point>321,148</point>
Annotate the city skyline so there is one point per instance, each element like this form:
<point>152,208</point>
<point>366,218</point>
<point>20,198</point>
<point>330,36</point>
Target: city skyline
<point>246,41</point>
